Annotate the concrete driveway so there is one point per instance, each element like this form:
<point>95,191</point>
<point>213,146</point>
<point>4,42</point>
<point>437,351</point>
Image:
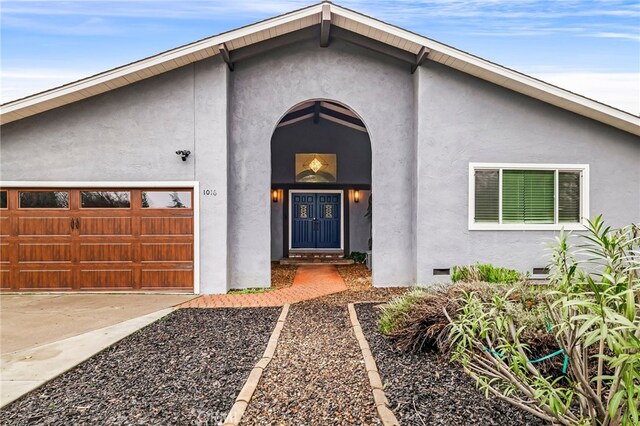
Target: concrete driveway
<point>31,320</point>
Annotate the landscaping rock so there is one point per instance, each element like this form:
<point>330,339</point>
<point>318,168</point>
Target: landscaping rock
<point>187,368</point>
<point>282,275</point>
<point>317,376</point>
<point>425,389</point>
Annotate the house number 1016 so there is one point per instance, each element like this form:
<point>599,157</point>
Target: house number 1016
<point>209,192</point>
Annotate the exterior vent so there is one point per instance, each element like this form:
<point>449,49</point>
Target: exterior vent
<point>441,272</point>
<point>540,271</point>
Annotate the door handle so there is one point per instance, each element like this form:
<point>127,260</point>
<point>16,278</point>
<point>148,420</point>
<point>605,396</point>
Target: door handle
<point>72,223</point>
<point>77,223</point>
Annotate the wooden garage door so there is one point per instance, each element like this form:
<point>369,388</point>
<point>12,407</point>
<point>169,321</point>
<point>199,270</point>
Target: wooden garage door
<point>96,239</point>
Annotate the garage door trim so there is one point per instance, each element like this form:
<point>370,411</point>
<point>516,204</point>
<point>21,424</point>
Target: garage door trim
<point>133,184</point>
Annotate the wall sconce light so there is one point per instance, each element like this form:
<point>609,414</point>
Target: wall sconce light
<point>274,195</point>
<point>356,195</point>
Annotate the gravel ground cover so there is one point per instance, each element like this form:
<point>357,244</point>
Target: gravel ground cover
<point>187,368</point>
<point>282,275</point>
<point>356,276</point>
<point>425,389</point>
<point>317,376</point>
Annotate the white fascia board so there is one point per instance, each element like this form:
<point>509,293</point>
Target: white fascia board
<point>170,55</point>
<point>511,75</point>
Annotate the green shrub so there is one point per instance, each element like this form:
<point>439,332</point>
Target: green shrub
<point>358,256</point>
<point>248,291</point>
<point>593,311</point>
<point>395,311</point>
<point>487,273</point>
<point>417,322</point>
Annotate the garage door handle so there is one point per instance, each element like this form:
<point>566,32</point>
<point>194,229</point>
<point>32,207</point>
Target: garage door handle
<point>72,223</point>
<point>77,223</point>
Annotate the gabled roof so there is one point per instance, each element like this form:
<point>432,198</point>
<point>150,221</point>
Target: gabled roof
<point>330,17</point>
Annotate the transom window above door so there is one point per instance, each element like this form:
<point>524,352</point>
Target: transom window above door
<point>528,196</point>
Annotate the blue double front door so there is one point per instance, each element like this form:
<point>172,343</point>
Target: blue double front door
<point>315,220</point>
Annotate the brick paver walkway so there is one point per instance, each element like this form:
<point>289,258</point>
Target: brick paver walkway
<point>310,281</point>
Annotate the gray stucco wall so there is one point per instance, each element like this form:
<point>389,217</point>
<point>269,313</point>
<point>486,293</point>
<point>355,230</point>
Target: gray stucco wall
<point>262,89</point>
<point>127,134</point>
<point>425,129</point>
<point>463,119</point>
<point>131,134</point>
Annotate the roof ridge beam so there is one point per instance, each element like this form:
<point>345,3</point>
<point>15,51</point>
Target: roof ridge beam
<point>325,25</point>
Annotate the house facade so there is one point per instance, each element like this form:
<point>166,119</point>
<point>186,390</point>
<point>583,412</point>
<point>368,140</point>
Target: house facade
<point>290,126</point>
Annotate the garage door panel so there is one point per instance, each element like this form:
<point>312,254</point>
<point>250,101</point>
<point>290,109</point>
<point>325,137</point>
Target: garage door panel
<point>106,252</point>
<point>166,226</point>
<point>86,245</point>
<point>5,226</point>
<point>106,279</point>
<point>5,279</point>
<point>45,279</point>
<point>44,252</point>
<point>166,278</point>
<point>105,226</point>
<point>44,226</point>
<point>166,252</point>
<point>4,253</point>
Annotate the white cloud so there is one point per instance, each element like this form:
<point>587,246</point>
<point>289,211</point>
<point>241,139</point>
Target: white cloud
<point>619,90</point>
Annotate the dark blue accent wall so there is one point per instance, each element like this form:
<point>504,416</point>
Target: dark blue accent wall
<point>351,146</point>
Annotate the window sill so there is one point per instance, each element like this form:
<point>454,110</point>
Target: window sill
<point>526,227</point>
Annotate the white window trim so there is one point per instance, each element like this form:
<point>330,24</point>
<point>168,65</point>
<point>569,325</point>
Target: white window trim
<point>195,185</point>
<point>584,197</point>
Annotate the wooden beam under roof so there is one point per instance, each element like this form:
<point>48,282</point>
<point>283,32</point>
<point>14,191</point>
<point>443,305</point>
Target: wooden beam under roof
<point>420,58</point>
<point>294,120</point>
<point>316,112</point>
<point>225,55</point>
<point>371,44</point>
<point>325,25</point>
<point>338,108</point>
<point>307,33</point>
<point>343,122</point>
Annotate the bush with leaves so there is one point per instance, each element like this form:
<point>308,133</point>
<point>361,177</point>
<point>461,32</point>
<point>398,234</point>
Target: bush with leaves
<point>416,321</point>
<point>594,314</point>
<point>486,272</point>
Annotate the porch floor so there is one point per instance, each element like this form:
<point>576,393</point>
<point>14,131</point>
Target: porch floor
<point>310,282</point>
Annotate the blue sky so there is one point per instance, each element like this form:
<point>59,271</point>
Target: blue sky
<point>591,47</point>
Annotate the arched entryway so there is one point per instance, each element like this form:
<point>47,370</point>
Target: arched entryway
<point>321,182</point>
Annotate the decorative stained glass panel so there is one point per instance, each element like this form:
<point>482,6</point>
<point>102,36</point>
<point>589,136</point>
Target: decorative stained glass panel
<point>314,167</point>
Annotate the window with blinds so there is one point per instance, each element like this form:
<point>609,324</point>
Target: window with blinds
<point>511,196</point>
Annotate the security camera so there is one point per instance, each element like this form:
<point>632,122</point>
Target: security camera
<point>183,154</point>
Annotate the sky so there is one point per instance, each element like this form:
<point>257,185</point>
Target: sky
<point>591,47</point>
